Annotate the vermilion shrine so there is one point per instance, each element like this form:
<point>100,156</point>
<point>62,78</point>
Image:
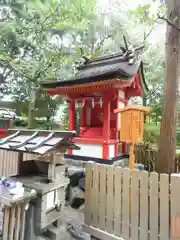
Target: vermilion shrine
<point>100,86</point>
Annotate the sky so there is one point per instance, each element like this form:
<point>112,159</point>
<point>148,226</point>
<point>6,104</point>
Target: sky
<point>105,4</point>
<point>118,6</point>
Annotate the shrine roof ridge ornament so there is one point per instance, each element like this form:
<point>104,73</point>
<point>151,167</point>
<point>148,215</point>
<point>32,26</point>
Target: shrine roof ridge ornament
<point>121,67</point>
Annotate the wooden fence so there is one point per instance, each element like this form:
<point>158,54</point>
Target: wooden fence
<point>9,162</point>
<point>14,222</point>
<point>120,204</point>
<point>148,158</point>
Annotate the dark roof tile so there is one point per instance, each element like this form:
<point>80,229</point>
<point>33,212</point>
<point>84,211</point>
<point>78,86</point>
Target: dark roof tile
<point>37,142</point>
<point>101,69</point>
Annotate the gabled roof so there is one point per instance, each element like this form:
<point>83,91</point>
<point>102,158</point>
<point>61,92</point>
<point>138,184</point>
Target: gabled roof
<point>118,66</point>
<point>37,142</point>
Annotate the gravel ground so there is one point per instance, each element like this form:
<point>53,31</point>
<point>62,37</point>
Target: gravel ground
<point>69,214</point>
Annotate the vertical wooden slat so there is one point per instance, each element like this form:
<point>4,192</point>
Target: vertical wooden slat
<point>6,223</point>
<point>153,206</point>
<point>117,200</point>
<point>103,198</point>
<point>8,166</point>
<point>18,220</point>
<point>8,163</point>
<point>87,213</point>
<point>91,195</point>
<point>12,223</point>
<point>3,155</point>
<point>175,209</point>
<point>110,199</point>
<point>95,194</point>
<point>164,207</point>
<point>5,163</point>
<point>125,204</point>
<point>13,162</point>
<point>22,225</point>
<point>135,205</point>
<point>17,164</point>
<point>24,156</point>
<point>143,205</point>
<point>1,163</point>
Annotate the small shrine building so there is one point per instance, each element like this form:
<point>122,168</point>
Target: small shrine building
<point>100,86</point>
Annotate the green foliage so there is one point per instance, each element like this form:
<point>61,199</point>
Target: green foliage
<point>43,39</point>
<point>32,56</point>
<point>147,13</point>
<point>143,14</point>
<point>151,133</point>
<point>65,117</point>
<point>26,48</point>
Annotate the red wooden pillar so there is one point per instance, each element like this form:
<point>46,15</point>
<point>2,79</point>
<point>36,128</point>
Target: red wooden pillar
<point>117,124</point>
<point>124,144</point>
<point>106,125</point>
<point>72,119</point>
<point>83,114</point>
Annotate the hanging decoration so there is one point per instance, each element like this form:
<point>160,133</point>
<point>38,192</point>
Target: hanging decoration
<point>101,102</point>
<point>93,103</point>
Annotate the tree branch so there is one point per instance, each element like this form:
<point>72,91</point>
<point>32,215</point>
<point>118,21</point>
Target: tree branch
<point>169,22</point>
<point>100,44</point>
<point>38,73</point>
<point>153,91</point>
<point>147,35</point>
<point>125,43</point>
<point>82,51</point>
<point>8,65</point>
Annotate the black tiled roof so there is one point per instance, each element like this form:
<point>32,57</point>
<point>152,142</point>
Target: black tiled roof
<point>37,142</point>
<point>99,69</point>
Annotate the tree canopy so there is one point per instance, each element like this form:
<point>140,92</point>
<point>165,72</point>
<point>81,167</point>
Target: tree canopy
<point>32,46</point>
<point>44,40</point>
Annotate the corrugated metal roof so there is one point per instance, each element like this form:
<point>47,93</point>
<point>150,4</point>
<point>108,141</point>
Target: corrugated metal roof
<point>37,142</point>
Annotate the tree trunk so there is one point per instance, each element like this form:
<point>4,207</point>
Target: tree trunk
<point>31,110</point>
<point>144,101</point>
<point>167,141</point>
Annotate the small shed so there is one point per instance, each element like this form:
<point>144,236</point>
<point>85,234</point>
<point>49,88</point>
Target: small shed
<point>41,173</point>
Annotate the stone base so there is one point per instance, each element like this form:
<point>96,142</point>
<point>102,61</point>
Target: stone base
<point>84,236</point>
<point>56,233</point>
<point>40,238</point>
<point>75,231</point>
